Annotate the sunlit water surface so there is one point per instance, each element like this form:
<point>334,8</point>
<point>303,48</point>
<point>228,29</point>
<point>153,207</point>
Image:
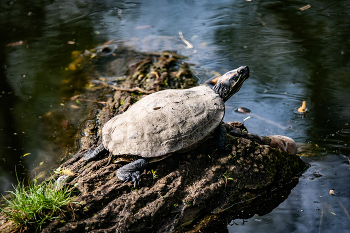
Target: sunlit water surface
<point>293,55</point>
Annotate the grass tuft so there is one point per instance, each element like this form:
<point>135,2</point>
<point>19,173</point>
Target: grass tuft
<point>35,204</point>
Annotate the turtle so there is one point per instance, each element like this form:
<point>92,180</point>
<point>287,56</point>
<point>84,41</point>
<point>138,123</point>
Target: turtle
<point>167,122</point>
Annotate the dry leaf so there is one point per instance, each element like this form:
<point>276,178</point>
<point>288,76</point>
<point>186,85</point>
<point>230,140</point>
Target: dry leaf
<point>303,107</point>
<point>66,171</point>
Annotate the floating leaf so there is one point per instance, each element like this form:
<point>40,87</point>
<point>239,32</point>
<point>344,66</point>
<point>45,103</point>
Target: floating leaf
<point>41,163</point>
<point>70,42</point>
<point>303,107</point>
<point>78,102</point>
<point>26,154</point>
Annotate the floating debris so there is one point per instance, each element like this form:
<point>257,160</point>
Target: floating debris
<point>15,43</point>
<point>143,27</point>
<point>243,110</point>
<point>303,108</point>
<point>189,45</point>
<point>305,7</point>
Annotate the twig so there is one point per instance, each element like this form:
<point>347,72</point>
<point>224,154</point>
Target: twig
<point>120,78</point>
<point>174,55</point>
<point>261,21</point>
<point>153,72</point>
<point>189,46</point>
<point>94,101</point>
<point>123,89</point>
<point>130,90</point>
<point>305,7</point>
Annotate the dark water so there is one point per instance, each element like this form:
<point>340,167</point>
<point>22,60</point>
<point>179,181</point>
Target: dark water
<point>293,55</point>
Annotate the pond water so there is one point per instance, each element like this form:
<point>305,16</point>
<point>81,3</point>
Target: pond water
<point>294,55</point>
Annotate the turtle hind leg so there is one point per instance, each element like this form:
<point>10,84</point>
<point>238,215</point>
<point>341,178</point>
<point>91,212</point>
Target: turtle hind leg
<point>93,153</point>
<point>132,171</point>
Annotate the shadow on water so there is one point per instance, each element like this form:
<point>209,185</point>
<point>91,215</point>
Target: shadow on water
<point>239,213</point>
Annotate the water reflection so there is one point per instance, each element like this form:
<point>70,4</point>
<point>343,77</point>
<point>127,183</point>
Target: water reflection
<point>293,55</point>
<point>31,76</point>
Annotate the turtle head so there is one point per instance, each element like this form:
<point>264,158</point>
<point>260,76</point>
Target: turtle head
<point>231,82</point>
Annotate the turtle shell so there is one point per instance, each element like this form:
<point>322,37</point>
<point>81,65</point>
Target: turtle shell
<point>164,122</point>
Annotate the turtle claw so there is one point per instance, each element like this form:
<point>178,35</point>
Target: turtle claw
<point>136,178</point>
<point>132,171</point>
<point>130,176</point>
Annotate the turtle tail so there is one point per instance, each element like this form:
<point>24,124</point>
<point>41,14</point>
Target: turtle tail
<point>93,153</point>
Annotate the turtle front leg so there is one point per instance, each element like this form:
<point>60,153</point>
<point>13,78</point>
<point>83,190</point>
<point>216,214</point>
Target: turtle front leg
<point>132,171</point>
<point>220,135</point>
